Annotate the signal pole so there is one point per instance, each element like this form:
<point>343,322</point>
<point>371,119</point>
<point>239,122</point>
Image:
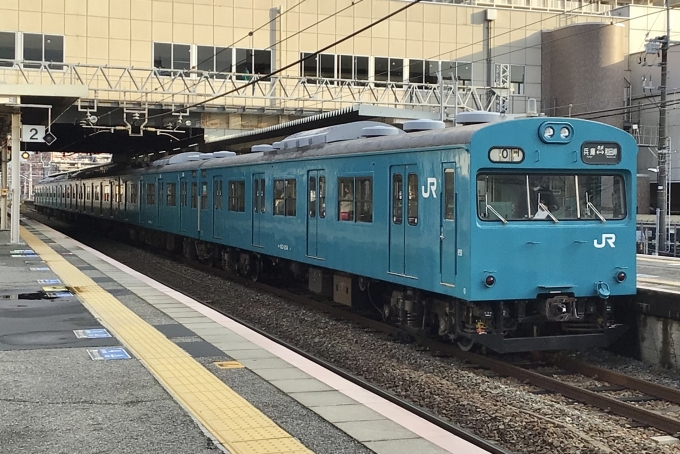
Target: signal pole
<point>662,183</point>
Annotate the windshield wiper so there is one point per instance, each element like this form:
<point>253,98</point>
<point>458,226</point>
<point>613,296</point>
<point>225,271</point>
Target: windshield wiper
<point>545,208</point>
<point>498,215</point>
<point>592,207</point>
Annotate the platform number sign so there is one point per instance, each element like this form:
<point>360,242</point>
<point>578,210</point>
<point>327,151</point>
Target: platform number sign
<point>32,133</point>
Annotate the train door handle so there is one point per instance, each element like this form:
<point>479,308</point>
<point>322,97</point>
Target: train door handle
<point>441,237</point>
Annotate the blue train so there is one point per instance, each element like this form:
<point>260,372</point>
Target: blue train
<point>513,234</point>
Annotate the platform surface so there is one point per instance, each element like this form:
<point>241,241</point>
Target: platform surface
<point>195,382</point>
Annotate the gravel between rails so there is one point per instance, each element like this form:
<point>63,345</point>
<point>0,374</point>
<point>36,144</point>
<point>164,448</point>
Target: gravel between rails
<point>495,408</point>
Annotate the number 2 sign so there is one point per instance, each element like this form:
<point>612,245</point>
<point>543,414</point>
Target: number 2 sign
<point>32,133</point>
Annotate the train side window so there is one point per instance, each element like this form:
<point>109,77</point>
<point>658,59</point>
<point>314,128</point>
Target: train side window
<point>160,192</point>
<point>412,207</point>
<point>171,194</point>
<point>312,197</point>
<point>237,196</point>
<point>291,198</point>
<point>346,199</point>
<point>97,192</point>
<point>397,198</point>
<point>262,197</point>
<point>448,195</point>
<point>194,195</point>
<point>107,193</point>
<point>256,195</point>
<point>134,191</point>
<point>150,193</point>
<point>364,199</point>
<point>217,195</point>
<point>204,195</point>
<point>88,193</point>
<point>183,194</point>
<point>322,197</point>
<point>279,199</point>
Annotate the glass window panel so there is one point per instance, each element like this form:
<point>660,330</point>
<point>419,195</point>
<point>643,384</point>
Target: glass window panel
<point>244,61</point>
<point>382,69</point>
<point>412,207</point>
<point>205,56</point>
<point>603,194</point>
<point>415,71</point>
<point>204,195</point>
<point>33,49</point>
<point>397,198</point>
<point>346,199</point>
<point>172,190</point>
<point>279,199</point>
<point>327,66</point>
<point>364,199</point>
<point>322,197</point>
<point>262,195</point>
<point>194,195</point>
<point>291,198</point>
<point>7,47</point>
<point>431,72</point>
<point>345,67</point>
<point>396,70</point>
<point>309,65</point>
<point>262,62</point>
<point>181,56</point>
<point>54,50</point>
<point>449,195</point>
<point>256,195</point>
<point>223,61</point>
<point>312,197</point>
<point>162,55</point>
<point>448,70</point>
<point>361,68</point>
<point>464,71</point>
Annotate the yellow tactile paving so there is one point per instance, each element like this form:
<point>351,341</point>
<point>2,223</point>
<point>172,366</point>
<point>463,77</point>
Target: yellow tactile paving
<point>232,420</point>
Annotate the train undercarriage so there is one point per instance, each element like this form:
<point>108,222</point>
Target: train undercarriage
<point>549,322</point>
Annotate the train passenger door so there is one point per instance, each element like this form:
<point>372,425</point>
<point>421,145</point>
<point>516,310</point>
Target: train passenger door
<point>258,207</point>
<point>183,206</point>
<point>448,234</point>
<point>217,206</point>
<point>159,201</point>
<point>205,224</point>
<point>404,219</point>
<point>316,211</point>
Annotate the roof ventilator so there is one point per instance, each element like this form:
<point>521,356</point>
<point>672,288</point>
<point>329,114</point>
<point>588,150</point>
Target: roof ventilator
<point>423,125</point>
<point>478,117</point>
<point>205,156</point>
<point>380,131</point>
<point>262,148</point>
<point>224,154</point>
<point>317,138</point>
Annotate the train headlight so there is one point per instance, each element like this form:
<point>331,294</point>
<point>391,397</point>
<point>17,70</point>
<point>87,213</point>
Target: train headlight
<point>548,132</point>
<point>489,281</point>
<point>565,132</point>
<point>620,276</point>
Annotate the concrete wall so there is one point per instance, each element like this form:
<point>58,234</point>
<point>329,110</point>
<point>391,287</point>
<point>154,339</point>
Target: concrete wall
<point>584,65</point>
<point>659,341</point>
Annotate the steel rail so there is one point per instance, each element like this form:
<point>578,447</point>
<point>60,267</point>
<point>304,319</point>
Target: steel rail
<point>664,423</point>
<point>649,388</point>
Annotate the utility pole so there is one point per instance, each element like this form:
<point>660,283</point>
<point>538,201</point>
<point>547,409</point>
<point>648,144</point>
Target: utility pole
<point>662,154</point>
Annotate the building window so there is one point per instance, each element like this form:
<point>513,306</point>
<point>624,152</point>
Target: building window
<point>237,196</point>
<point>171,56</point>
<point>355,199</point>
<point>43,48</point>
<point>423,71</point>
<point>285,198</point>
<point>216,60</point>
<point>517,79</point>
<point>150,193</point>
<point>388,69</point>
<point>171,194</point>
<point>7,48</point>
<point>457,70</point>
<point>351,67</point>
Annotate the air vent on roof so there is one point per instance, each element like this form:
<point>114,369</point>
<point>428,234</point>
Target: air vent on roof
<point>224,154</point>
<point>330,134</point>
<point>204,156</point>
<point>261,148</point>
<point>277,145</point>
<point>182,157</point>
<point>476,117</point>
<point>380,131</point>
<point>423,125</point>
<point>194,157</point>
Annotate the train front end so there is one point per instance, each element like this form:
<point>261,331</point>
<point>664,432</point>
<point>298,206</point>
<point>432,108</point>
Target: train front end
<point>552,238</point>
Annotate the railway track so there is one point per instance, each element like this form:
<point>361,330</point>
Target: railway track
<point>589,396</point>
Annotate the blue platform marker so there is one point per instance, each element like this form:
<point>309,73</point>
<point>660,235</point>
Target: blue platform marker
<point>23,256</point>
<point>40,268</point>
<point>49,281</point>
<point>23,251</point>
<point>97,333</point>
<point>59,294</point>
<point>108,354</point>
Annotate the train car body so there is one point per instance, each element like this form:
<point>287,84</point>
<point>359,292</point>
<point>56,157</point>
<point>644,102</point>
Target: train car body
<point>517,235</point>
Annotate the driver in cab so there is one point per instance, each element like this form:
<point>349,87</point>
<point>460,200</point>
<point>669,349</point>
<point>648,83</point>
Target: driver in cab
<point>540,199</point>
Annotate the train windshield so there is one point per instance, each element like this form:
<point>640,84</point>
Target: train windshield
<point>550,197</point>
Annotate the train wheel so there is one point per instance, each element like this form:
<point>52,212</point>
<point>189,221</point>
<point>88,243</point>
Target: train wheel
<point>465,344</point>
<point>256,270</point>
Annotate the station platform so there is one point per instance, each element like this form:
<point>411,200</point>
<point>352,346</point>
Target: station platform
<point>95,357</point>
